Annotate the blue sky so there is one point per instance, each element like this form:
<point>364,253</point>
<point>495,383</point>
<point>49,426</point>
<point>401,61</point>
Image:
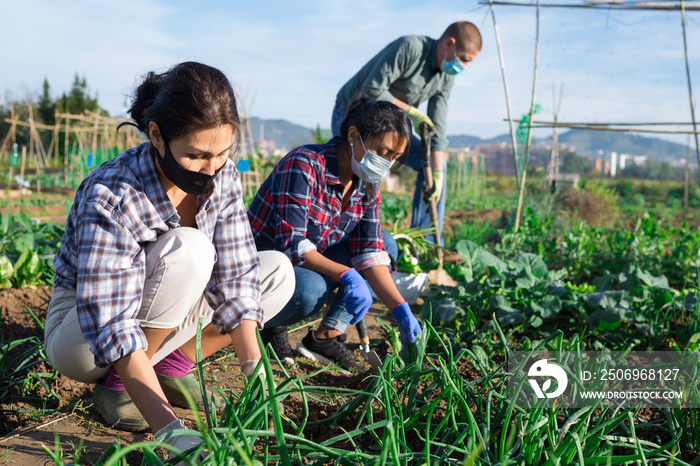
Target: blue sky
<point>288,59</point>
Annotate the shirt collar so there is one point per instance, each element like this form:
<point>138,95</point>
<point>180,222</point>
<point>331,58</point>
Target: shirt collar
<point>332,173</point>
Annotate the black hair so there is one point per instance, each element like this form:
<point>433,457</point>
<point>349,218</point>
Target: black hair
<point>188,97</point>
<point>375,118</point>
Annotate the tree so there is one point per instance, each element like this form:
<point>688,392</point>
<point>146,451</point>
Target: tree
<point>46,107</point>
<point>319,136</point>
<point>78,99</point>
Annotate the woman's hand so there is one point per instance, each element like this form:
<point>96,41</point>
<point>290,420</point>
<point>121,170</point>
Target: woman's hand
<point>408,324</point>
<point>181,439</point>
<point>357,296</point>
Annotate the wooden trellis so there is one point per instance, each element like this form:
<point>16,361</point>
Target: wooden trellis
<point>92,132</point>
<point>663,5</point>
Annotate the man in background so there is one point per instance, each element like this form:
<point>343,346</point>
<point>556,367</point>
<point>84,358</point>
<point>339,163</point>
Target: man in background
<point>407,72</point>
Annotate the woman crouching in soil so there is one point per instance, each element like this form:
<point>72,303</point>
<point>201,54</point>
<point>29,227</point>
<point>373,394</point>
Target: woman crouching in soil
<point>320,206</point>
<point>157,238</point>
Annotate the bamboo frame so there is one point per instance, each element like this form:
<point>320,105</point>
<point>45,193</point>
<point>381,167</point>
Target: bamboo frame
<point>690,87</point>
<point>607,127</point>
<point>521,191</point>
<point>513,139</point>
<point>605,5</point>
<point>668,5</point>
<point>91,130</point>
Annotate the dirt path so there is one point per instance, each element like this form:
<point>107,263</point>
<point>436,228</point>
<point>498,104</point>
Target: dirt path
<point>71,416</point>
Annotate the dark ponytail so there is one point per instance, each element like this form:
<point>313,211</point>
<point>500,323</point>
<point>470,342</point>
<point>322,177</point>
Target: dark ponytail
<point>189,97</point>
<point>375,118</point>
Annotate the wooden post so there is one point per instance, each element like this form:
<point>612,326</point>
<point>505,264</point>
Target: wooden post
<point>95,130</point>
<point>690,88</point>
<point>521,191</point>
<point>24,158</point>
<point>66,156</point>
<point>513,139</point>
<point>686,180</point>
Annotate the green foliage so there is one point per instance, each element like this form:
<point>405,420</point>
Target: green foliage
<point>419,410</point>
<point>632,307</point>
<point>20,361</point>
<point>46,106</point>
<point>27,250</point>
<point>653,245</point>
<point>320,136</point>
<point>78,99</point>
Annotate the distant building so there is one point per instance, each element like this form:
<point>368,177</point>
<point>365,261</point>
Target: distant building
<point>499,158</point>
<point>266,146</point>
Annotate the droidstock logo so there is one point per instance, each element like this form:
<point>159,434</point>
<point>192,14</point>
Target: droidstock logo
<point>543,368</point>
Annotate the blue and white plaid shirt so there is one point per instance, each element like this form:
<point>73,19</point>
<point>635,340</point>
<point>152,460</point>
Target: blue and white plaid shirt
<point>120,207</point>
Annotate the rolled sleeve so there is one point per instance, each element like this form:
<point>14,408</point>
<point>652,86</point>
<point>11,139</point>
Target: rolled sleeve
<point>292,198</point>
<point>367,241</point>
<point>234,288</point>
<point>370,259</point>
<point>437,111</point>
<point>110,283</point>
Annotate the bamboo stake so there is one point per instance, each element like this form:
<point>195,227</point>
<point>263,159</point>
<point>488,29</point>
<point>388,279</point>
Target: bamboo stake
<point>686,177</point>
<point>598,127</point>
<point>11,136</point>
<point>66,156</point>
<point>521,191</point>
<point>513,139</point>
<point>95,129</point>
<point>616,5</point>
<point>24,158</point>
<point>690,87</point>
<point>663,123</point>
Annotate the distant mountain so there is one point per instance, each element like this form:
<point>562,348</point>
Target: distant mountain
<point>589,143</point>
<point>286,135</point>
<point>466,140</point>
<point>586,143</point>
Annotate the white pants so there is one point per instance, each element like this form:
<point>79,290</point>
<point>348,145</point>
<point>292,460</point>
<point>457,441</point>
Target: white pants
<point>178,267</point>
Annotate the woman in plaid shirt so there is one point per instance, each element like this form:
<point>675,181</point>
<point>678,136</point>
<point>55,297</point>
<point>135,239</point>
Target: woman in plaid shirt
<point>320,206</point>
<point>158,238</point>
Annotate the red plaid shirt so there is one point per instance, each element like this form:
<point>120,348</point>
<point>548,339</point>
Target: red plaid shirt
<point>299,209</point>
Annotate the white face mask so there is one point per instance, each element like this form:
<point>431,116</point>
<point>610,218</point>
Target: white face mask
<point>372,168</point>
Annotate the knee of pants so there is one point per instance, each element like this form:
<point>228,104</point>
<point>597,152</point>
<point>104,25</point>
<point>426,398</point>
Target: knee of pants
<point>187,247</point>
<point>277,281</point>
<point>311,293</point>
<point>179,265</point>
<point>390,244</point>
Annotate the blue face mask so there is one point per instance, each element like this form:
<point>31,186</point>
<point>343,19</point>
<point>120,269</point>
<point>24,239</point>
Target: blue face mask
<point>372,167</point>
<point>454,66</point>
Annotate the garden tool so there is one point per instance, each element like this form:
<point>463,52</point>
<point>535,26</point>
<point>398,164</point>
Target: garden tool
<point>371,356</point>
<point>426,133</point>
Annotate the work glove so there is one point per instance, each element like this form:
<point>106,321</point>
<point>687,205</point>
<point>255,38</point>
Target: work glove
<point>357,296</point>
<point>409,327</point>
<point>438,178</point>
<point>418,117</point>
<point>183,439</point>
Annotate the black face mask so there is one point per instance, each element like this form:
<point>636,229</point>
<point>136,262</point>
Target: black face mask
<point>189,181</point>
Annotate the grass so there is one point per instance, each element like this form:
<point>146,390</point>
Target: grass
<point>19,361</point>
<point>422,410</point>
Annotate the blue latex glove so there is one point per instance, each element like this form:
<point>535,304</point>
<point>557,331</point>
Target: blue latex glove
<point>408,325</point>
<point>357,298</point>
